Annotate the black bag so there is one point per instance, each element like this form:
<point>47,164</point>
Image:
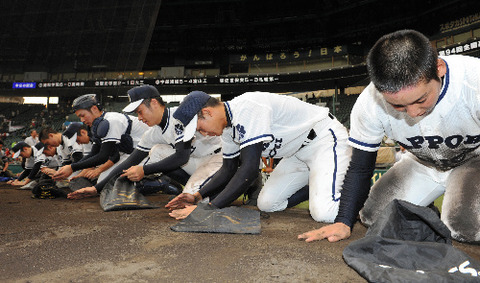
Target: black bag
<point>121,194</point>
<point>46,189</point>
<point>409,243</point>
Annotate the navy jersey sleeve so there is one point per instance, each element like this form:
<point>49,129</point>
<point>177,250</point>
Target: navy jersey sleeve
<point>356,186</point>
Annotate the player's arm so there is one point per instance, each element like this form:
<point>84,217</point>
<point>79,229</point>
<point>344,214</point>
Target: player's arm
<point>134,159</point>
<point>172,162</point>
<point>354,194</point>
<point>241,179</point>
<point>77,156</point>
<point>36,167</point>
<point>24,174</point>
<point>356,186</point>
<point>105,151</point>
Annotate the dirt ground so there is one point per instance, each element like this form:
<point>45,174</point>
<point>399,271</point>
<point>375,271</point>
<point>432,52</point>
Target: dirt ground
<point>60,240</point>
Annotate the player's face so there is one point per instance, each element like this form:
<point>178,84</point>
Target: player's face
<point>49,151</point>
<point>418,100</point>
<point>210,124</point>
<point>85,116</point>
<point>83,138</point>
<point>26,152</point>
<point>51,141</point>
<point>149,115</point>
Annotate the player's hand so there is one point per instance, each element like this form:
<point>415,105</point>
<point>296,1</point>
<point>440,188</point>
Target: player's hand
<point>83,193</point>
<point>181,201</point>
<point>93,173</point>
<point>48,171</point>
<point>19,183</point>
<point>180,214</point>
<point>333,233</point>
<point>63,173</point>
<point>82,173</point>
<point>134,173</point>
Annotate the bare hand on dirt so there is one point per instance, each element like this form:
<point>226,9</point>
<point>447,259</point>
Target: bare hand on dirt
<point>181,201</point>
<point>83,193</point>
<point>333,233</point>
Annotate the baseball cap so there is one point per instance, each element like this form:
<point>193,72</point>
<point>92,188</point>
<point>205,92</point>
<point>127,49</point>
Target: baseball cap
<point>18,148</point>
<point>85,102</point>
<point>137,94</point>
<point>187,112</point>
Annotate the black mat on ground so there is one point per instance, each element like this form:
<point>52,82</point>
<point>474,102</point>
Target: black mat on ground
<point>234,220</point>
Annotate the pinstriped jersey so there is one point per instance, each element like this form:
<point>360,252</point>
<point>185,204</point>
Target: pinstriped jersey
<point>280,122</point>
<point>445,138</point>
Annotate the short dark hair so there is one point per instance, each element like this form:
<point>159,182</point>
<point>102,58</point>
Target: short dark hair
<point>45,132</point>
<point>147,101</point>
<point>211,102</point>
<point>402,59</point>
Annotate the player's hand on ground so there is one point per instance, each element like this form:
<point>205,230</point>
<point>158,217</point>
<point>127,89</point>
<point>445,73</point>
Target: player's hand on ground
<point>19,183</point>
<point>181,201</point>
<point>134,173</point>
<point>83,193</point>
<point>333,233</point>
<point>63,173</point>
<point>180,214</point>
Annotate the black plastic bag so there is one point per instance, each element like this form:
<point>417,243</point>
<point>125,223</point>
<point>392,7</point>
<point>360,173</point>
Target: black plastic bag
<point>121,194</point>
<point>409,243</point>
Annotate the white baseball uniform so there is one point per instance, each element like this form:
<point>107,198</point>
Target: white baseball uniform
<point>118,124</point>
<point>444,148</point>
<point>205,157</point>
<point>283,124</point>
<point>67,148</point>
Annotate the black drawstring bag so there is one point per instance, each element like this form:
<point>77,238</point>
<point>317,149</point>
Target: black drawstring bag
<point>409,243</point>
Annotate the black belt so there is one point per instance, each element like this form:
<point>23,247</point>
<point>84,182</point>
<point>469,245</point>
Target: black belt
<point>311,135</point>
<point>217,150</point>
<point>331,116</point>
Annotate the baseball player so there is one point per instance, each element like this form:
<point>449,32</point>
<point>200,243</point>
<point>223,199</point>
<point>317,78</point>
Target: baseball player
<point>111,131</point>
<point>431,107</point>
<point>163,144</point>
<point>69,150</point>
<point>34,158</point>
<point>78,132</point>
<point>310,141</point>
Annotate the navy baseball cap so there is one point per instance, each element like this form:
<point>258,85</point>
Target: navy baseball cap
<point>18,148</point>
<point>187,112</point>
<point>137,94</point>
